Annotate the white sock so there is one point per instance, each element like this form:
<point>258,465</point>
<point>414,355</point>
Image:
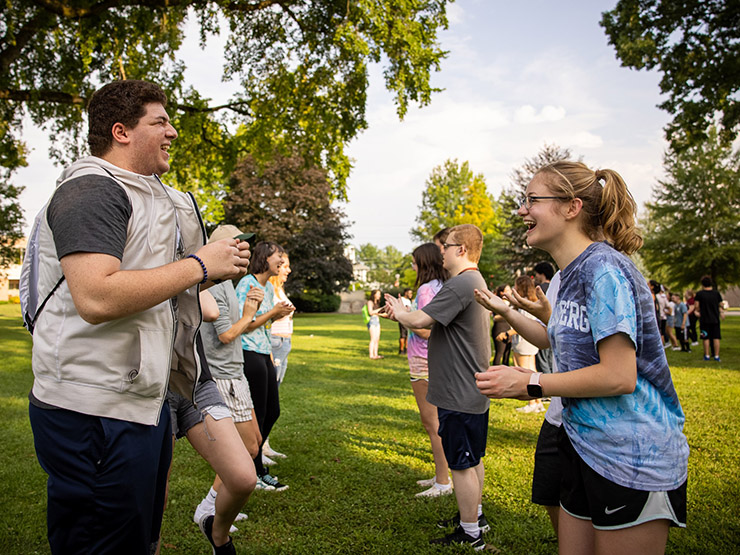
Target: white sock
<point>480,511</point>
<point>471,528</point>
<point>210,499</point>
<point>442,487</point>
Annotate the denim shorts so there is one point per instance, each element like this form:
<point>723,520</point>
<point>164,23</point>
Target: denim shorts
<point>184,413</point>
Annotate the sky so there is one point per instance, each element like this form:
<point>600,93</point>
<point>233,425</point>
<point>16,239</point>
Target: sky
<point>519,75</point>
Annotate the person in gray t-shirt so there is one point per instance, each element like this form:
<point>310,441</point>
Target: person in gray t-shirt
<point>222,345</point>
<point>459,346</point>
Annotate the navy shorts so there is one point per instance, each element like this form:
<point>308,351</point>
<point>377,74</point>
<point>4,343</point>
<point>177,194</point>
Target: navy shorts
<point>107,480</point>
<point>463,436</point>
<point>547,474</point>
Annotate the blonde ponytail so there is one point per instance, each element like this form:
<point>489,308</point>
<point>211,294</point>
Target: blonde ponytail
<point>609,209</point>
<point>618,210</point>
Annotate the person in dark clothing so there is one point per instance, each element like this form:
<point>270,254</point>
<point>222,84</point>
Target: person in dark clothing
<point>708,306</point>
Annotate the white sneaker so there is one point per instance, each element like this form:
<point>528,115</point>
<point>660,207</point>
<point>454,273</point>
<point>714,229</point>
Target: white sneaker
<point>436,490</point>
<point>675,348</point>
<point>428,482</point>
<point>270,452</point>
<point>263,485</point>
<point>205,509</point>
<point>694,344</point>
<point>267,461</point>
<point>528,409</point>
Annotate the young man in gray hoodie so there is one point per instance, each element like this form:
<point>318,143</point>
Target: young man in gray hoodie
<point>121,257</point>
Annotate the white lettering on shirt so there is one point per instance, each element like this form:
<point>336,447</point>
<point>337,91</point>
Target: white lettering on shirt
<point>573,315</point>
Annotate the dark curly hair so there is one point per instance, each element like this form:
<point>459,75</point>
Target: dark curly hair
<point>118,102</point>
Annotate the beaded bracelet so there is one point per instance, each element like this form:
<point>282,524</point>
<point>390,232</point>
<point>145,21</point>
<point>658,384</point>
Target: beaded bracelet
<point>202,265</point>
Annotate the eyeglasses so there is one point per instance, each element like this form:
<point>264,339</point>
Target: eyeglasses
<point>527,202</point>
<point>446,246</point>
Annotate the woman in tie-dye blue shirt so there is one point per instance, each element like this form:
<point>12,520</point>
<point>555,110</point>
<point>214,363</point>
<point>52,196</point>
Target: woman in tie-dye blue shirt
<point>622,445</point>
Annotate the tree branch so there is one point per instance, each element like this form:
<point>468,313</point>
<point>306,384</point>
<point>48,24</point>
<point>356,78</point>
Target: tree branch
<point>42,96</point>
<point>63,9</point>
<point>58,97</point>
<point>40,21</point>
<point>233,106</point>
<point>290,13</point>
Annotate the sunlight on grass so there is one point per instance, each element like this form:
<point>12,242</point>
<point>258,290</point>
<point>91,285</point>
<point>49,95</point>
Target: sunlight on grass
<point>356,447</point>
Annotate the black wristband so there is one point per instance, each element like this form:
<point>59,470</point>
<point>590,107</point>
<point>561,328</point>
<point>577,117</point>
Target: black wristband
<point>202,265</point>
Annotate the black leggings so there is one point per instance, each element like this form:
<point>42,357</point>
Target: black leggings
<point>262,377</point>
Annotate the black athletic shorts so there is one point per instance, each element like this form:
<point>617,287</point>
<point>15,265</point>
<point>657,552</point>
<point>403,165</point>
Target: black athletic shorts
<point>587,495</point>
<point>710,331</point>
<point>547,475</point>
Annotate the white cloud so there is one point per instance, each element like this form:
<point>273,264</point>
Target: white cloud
<point>455,14</point>
<point>528,114</point>
<point>586,139</point>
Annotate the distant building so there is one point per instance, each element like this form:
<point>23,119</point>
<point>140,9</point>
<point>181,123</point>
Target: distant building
<point>359,270</point>
<point>10,276</point>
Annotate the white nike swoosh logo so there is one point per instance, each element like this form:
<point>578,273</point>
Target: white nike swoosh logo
<point>608,511</point>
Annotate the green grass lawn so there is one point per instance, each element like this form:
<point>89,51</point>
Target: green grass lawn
<point>356,447</point>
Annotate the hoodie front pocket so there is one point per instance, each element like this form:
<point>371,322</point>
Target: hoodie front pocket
<point>147,378</point>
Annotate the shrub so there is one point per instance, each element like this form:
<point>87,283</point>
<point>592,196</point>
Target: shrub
<point>314,301</point>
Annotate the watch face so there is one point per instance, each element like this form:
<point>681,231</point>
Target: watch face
<point>534,390</point>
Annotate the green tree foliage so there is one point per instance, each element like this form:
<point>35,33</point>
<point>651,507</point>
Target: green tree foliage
<point>301,67</point>
<point>385,264</point>
<point>695,44</point>
<point>692,226</point>
<point>512,251</point>
<point>454,195</point>
<point>288,202</point>
<point>11,223</point>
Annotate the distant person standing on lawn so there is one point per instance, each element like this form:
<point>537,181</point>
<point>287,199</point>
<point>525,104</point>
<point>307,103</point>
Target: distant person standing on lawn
<point>681,322</point>
<point>693,318</point>
<point>121,257</point>
<point>459,346</point>
<point>373,310</point>
<point>403,333</point>
<point>708,306</point>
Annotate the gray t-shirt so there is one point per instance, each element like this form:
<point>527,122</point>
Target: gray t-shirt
<point>225,360</point>
<point>459,345</point>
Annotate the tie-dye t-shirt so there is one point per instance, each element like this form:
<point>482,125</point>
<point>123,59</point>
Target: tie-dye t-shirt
<point>258,340</point>
<point>416,346</point>
<point>634,440</point>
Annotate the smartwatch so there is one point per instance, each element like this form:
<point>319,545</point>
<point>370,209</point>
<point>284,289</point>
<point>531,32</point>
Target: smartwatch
<point>534,389</point>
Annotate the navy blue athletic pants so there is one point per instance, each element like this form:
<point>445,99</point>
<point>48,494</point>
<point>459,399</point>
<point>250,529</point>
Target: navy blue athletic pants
<point>107,480</point>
